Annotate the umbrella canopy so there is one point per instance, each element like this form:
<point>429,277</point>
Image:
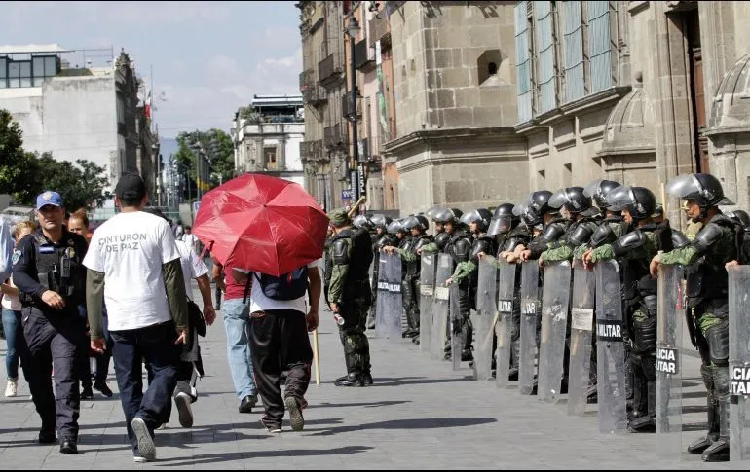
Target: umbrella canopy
<point>261,223</point>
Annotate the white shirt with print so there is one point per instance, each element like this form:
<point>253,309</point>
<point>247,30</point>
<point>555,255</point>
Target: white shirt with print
<point>130,249</point>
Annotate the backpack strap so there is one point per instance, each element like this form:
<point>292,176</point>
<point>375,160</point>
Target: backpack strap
<point>248,287</point>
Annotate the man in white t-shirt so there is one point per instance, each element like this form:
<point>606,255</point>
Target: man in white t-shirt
<point>190,239</point>
<point>134,263</point>
<point>279,342</point>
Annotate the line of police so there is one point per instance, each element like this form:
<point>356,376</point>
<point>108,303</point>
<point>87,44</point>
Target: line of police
<point>584,226</point>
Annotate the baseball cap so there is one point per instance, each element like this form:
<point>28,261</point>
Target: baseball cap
<point>48,198</point>
<point>130,187</point>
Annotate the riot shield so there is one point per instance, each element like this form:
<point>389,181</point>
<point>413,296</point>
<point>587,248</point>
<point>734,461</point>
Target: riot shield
<point>581,328</point>
<point>484,318</point>
<point>669,319</point>
<point>739,366</point>
<point>440,306</point>
<point>457,335</point>
<point>426,289</point>
<point>531,307</point>
<point>506,304</point>
<point>555,304</point>
<point>388,315</point>
<point>610,351</point>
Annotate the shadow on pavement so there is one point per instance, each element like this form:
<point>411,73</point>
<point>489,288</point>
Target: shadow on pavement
<point>234,456</point>
<point>413,381</point>
<point>406,423</point>
<point>363,405</point>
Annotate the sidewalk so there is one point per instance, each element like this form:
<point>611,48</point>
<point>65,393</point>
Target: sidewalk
<point>419,414</point>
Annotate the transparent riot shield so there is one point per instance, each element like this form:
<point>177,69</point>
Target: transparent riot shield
<point>426,289</point>
<point>581,329</point>
<point>669,319</point>
<point>440,306</point>
<point>739,366</point>
<point>388,315</point>
<point>531,307</point>
<point>484,318</point>
<point>610,351</point>
<point>505,307</point>
<point>457,333</point>
<point>555,304</point>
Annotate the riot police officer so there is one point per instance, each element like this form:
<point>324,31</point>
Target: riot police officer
<point>633,252</point>
<point>417,225</point>
<point>349,295</point>
<point>477,221</point>
<point>716,243</point>
<point>382,238</point>
<point>48,270</point>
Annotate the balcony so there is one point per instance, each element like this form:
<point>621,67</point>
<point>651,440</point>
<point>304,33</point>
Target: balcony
<point>364,55</point>
<point>329,70</point>
<point>378,29</point>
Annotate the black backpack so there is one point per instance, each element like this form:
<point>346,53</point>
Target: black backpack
<point>286,287</point>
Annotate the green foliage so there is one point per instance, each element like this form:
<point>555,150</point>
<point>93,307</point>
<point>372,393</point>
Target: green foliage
<point>249,113</point>
<point>24,175</point>
<point>221,155</point>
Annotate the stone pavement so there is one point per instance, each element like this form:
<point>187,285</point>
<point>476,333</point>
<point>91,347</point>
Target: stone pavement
<point>419,414</point>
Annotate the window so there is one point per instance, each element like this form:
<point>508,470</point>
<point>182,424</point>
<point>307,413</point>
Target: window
<point>524,62</point>
<point>26,73</point>
<point>545,36</point>
<point>600,46</point>
<point>573,41</point>
<point>3,72</point>
<point>269,157</point>
<point>14,74</point>
<point>43,67</point>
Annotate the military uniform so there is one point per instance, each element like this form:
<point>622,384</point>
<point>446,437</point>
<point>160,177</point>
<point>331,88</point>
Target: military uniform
<point>349,288</point>
<point>50,335</point>
<point>410,256</point>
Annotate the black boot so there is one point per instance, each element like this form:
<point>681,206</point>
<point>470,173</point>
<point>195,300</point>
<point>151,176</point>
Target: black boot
<point>367,378</point>
<point>717,452</point>
<point>351,380</point>
<point>699,446</point>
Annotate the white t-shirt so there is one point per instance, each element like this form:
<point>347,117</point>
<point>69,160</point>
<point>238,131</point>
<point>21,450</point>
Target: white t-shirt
<point>130,249</point>
<point>190,239</point>
<point>192,265</point>
<point>258,301</point>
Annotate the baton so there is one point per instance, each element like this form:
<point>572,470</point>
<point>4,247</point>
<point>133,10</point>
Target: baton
<point>491,333</point>
<point>317,357</point>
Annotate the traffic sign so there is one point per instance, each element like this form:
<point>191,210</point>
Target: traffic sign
<point>347,194</point>
<point>196,206</point>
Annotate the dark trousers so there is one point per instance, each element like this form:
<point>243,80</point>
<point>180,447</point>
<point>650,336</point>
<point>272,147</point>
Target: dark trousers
<point>279,342</point>
<point>156,345</point>
<point>101,360</point>
<point>60,343</point>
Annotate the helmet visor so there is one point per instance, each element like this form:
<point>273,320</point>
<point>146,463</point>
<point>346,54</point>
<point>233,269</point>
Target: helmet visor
<point>592,189</point>
<point>558,199</point>
<point>684,187</point>
<point>619,198</point>
<point>499,225</point>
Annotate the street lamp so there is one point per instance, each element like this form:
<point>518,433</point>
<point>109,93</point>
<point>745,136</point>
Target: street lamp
<point>352,29</point>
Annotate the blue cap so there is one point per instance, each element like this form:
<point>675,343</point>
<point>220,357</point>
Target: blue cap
<point>48,198</point>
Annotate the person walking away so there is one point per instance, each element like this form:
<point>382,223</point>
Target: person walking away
<point>190,239</point>
<point>135,265</point>
<point>78,223</point>
<point>349,296</point>
<point>193,267</point>
<point>238,349</point>
<point>12,318</point>
<point>48,270</point>
<point>279,322</point>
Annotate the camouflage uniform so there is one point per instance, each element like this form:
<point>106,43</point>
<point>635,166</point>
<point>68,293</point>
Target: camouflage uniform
<point>351,255</point>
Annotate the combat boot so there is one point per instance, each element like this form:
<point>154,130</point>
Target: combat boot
<point>367,378</point>
<point>351,380</point>
<point>702,444</point>
<point>717,452</point>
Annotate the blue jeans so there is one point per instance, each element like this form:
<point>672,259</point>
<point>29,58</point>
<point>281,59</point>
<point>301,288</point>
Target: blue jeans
<point>155,344</point>
<point>238,349</point>
<point>11,326</point>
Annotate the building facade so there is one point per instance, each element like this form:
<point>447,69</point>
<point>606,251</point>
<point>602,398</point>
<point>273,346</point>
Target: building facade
<point>79,112</point>
<point>495,99</point>
<point>268,135</point>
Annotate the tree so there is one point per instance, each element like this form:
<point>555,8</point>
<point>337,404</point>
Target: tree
<point>17,168</point>
<point>81,185</point>
<point>221,161</point>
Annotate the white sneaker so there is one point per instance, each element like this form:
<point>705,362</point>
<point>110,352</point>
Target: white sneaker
<point>146,446</point>
<point>182,400</point>
<point>12,389</point>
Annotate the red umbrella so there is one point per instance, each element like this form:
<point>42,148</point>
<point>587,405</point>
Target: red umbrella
<point>261,223</point>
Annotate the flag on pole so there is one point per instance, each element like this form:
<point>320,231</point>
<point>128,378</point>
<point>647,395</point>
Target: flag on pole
<point>147,106</point>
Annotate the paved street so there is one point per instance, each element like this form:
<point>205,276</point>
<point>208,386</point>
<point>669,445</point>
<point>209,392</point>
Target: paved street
<point>419,414</point>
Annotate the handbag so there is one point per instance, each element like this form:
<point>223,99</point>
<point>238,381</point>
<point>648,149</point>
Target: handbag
<point>195,319</point>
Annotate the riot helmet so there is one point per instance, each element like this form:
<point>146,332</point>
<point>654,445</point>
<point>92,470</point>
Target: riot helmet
<point>363,222</point>
<point>704,189</point>
<point>741,217</point>
<point>539,202</point>
<point>639,201</point>
<point>480,216</point>
<point>381,221</point>
<point>447,215</point>
<point>527,214</point>
<point>432,211</point>
<point>395,227</point>
<point>597,191</point>
<point>503,220</point>
<point>573,199</point>
<point>418,221</point>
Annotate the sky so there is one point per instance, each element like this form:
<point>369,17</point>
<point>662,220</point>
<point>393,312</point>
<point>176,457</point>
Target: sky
<point>208,58</point>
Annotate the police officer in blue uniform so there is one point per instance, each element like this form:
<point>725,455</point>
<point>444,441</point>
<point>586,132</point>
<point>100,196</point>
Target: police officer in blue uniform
<point>48,270</point>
